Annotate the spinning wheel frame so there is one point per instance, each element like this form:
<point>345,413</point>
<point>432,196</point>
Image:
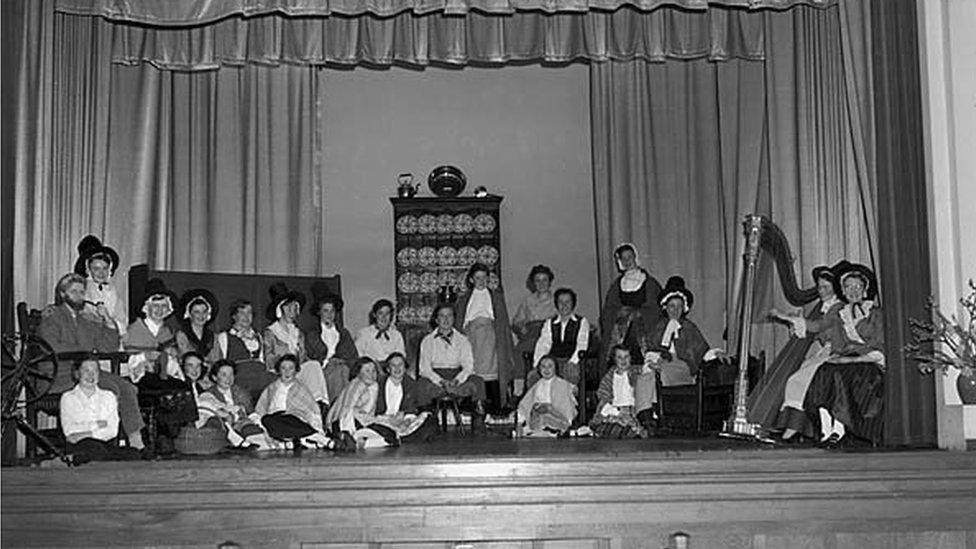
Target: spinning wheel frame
<point>29,363</point>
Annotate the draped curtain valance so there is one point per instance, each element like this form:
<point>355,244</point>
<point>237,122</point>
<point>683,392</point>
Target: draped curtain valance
<point>197,12</point>
<point>206,34</point>
<point>409,39</point>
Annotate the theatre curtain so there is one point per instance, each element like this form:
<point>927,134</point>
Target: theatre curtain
<point>683,151</point>
<point>211,171</point>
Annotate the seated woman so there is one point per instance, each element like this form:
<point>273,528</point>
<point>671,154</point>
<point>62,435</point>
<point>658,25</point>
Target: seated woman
<point>381,338</point>
<point>565,337</point>
<point>629,309</point>
<point>287,409</point>
<point>283,337</point>
<point>90,418</point>
<point>675,352</point>
<point>356,406</point>
<point>766,399</point>
<point>154,368</point>
<point>232,405</point>
<point>549,406</point>
<point>531,314</point>
<point>198,308</point>
<point>242,345</point>
<point>398,416</point>
<point>614,417</point>
<point>331,344</point>
<point>483,318</point>
<point>846,394</point>
<point>447,365</point>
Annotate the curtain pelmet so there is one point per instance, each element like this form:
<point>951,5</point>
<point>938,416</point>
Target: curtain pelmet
<point>419,40</point>
<point>198,12</point>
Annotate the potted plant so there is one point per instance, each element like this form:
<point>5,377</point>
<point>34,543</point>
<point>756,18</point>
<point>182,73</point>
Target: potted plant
<point>944,343</point>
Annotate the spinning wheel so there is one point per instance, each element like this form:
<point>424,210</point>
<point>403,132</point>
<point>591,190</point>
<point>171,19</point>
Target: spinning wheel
<point>29,363</point>
<point>30,366</point>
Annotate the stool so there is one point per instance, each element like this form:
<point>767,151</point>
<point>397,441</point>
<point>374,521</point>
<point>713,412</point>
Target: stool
<point>453,403</point>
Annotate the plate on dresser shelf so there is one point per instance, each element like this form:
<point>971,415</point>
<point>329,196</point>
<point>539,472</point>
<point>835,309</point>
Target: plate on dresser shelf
<point>408,283</point>
<point>446,256</point>
<point>463,223</point>
<point>428,282</point>
<point>427,257</point>
<point>493,281</point>
<point>488,255</point>
<point>484,223</point>
<point>445,224</point>
<point>406,314</point>
<point>446,278</point>
<point>423,313</point>
<point>407,257</point>
<point>467,256</point>
<point>407,224</point>
<point>427,224</point>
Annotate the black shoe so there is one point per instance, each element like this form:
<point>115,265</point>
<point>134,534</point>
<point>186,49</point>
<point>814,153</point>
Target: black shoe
<point>478,424</point>
<point>832,442</point>
<point>348,443</point>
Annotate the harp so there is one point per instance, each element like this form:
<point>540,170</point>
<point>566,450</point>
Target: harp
<point>762,237</point>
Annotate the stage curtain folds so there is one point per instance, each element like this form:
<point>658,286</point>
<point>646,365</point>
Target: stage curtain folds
<point>683,151</point>
<point>195,12</point>
<point>190,171</point>
<point>410,39</point>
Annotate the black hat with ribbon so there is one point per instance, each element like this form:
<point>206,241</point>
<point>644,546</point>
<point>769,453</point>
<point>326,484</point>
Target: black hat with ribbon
<point>91,248</point>
<point>281,294</point>
<point>675,287</point>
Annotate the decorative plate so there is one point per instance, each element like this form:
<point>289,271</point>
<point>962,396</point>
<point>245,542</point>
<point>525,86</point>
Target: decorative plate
<point>407,257</point>
<point>446,278</point>
<point>484,223</point>
<point>407,224</point>
<point>427,257</point>
<point>463,223</point>
<point>406,315</point>
<point>445,224</point>
<point>428,282</point>
<point>423,313</point>
<point>467,256</point>
<point>493,281</point>
<point>446,256</point>
<point>427,224</point>
<point>488,255</point>
<point>408,283</point>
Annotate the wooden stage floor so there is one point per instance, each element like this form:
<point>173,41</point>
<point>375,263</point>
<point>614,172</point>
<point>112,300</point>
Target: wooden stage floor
<point>493,493</point>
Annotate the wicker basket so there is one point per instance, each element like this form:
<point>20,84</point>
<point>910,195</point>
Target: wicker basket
<point>205,441</point>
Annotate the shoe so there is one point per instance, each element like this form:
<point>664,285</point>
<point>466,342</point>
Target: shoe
<point>832,442</point>
<point>348,443</point>
<point>478,424</point>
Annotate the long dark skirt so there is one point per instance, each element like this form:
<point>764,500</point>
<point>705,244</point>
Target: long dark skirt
<point>92,449</point>
<point>853,394</point>
<point>284,426</point>
<point>766,399</point>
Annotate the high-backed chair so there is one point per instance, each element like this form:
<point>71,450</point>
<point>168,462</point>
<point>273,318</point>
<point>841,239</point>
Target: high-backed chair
<point>705,404</point>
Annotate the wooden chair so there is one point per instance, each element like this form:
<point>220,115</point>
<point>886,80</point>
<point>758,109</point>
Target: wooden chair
<point>705,404</point>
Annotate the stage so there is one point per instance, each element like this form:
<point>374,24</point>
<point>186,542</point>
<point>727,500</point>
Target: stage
<point>494,492</point>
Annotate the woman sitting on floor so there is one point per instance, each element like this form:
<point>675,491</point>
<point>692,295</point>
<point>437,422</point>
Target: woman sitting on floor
<point>614,417</point>
<point>398,416</point>
<point>549,406</point>
<point>90,418</point>
<point>195,372</point>
<point>287,409</point>
<point>231,404</point>
<point>356,406</point>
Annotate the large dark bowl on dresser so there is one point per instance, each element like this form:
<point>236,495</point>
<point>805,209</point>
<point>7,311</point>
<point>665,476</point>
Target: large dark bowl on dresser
<point>446,181</point>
